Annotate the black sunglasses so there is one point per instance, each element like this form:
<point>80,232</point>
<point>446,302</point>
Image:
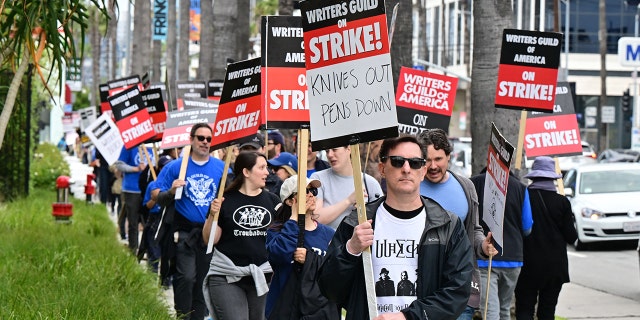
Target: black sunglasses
<point>313,191</point>
<point>398,161</point>
<point>202,138</point>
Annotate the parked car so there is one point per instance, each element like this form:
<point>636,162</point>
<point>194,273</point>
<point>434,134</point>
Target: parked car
<point>604,200</point>
<point>567,163</point>
<point>619,155</point>
<point>460,161</point>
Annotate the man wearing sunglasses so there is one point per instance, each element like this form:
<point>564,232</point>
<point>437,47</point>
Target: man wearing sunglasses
<point>411,233</point>
<point>199,188</point>
<point>458,195</point>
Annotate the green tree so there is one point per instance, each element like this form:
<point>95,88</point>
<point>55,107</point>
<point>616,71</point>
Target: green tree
<point>31,29</point>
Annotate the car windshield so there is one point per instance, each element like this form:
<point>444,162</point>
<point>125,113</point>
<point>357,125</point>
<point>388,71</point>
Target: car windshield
<point>610,181</point>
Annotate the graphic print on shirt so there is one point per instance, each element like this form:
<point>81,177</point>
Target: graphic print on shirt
<point>251,218</point>
<point>201,189</point>
<point>395,259</point>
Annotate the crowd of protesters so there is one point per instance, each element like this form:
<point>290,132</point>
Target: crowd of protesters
<point>270,261</point>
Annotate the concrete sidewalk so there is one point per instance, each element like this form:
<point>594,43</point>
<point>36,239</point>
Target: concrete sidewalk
<point>578,302</point>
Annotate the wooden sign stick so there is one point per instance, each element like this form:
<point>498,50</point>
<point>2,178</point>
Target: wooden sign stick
<point>362,217</point>
<point>559,180</point>
<point>223,182</point>
<point>486,298</point>
<point>303,147</point>
<point>186,151</point>
<point>151,166</point>
<point>519,148</point>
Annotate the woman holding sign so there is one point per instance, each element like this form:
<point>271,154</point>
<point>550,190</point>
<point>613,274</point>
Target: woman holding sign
<point>237,282</point>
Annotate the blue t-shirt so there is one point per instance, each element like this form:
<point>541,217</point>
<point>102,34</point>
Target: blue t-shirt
<point>201,186</point>
<point>147,196</point>
<point>133,158</point>
<point>449,195</point>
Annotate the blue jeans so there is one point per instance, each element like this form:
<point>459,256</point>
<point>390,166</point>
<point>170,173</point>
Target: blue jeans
<point>467,314</point>
<point>236,301</point>
<point>503,283</point>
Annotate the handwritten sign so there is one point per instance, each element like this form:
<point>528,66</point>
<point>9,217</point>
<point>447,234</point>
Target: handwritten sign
<point>425,100</point>
<point>239,109</point>
<point>349,78</point>
<point>528,70</point>
<point>495,184</point>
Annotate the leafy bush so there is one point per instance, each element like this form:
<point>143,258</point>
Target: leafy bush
<point>47,165</point>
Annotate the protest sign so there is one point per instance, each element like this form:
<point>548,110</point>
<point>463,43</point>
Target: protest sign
<point>87,116</point>
<point>195,103</point>
<point>495,184</point>
<point>528,70</point>
<point>132,118</point>
<point>119,85</point>
<point>106,137</point>
<point>554,134</point>
<point>179,123</point>
<point>105,107</point>
<point>239,109</point>
<point>349,77</point>
<point>214,89</point>
<point>424,100</point>
<point>284,92</point>
<point>155,105</point>
<point>189,89</point>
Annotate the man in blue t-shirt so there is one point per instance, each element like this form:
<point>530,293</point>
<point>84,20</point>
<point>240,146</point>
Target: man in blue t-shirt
<point>199,188</point>
<point>131,163</point>
<point>457,194</point>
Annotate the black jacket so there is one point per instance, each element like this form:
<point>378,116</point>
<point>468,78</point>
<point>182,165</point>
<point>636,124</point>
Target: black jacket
<point>445,267</point>
<point>301,298</point>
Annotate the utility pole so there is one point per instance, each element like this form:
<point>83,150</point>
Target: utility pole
<point>602,37</point>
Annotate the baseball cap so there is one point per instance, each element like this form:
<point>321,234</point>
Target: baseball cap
<point>286,160</point>
<point>163,161</point>
<point>277,137</point>
<point>290,186</point>
<point>256,141</point>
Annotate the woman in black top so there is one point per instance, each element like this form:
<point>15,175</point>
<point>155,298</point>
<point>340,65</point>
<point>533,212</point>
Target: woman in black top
<point>237,282</point>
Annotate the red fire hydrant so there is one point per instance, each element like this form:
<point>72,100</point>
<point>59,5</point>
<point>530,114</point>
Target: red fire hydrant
<point>62,209</point>
<point>90,188</point>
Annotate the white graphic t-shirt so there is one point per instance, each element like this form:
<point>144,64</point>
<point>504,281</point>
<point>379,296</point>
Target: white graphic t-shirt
<point>395,259</point>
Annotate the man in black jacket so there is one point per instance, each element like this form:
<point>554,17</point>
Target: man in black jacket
<point>411,233</point>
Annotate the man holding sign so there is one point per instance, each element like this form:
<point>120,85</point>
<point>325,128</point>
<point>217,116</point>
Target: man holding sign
<point>199,187</point>
<point>444,263</point>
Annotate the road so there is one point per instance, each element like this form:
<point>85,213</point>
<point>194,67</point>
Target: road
<point>605,283</point>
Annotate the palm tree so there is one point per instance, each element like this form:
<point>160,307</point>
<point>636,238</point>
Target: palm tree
<point>141,48</point>
<point>31,29</point>
<point>172,40</point>
<point>182,58</point>
<point>205,64</point>
<point>225,41</point>
<point>94,39</point>
<point>490,19</point>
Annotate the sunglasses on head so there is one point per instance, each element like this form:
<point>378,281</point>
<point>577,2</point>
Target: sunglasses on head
<point>398,161</point>
<point>202,138</point>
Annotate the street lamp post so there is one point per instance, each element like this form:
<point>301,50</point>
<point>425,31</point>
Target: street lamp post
<point>566,39</point>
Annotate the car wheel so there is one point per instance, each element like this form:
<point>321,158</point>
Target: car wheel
<point>579,245</point>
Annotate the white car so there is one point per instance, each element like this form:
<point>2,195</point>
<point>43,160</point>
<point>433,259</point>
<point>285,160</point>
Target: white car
<point>605,201</point>
<point>567,163</point>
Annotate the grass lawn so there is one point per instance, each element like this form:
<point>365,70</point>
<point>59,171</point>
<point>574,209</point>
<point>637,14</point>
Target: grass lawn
<point>50,270</point>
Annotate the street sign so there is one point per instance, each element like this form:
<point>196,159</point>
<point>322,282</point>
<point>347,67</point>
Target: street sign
<point>629,51</point>
<point>608,114</point>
